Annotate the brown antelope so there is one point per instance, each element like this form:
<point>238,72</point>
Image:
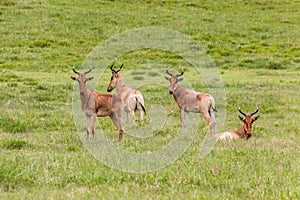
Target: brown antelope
<point>94,105</point>
<point>132,99</point>
<point>189,100</point>
<point>244,131</point>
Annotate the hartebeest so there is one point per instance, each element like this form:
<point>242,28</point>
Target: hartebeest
<point>245,131</point>
<point>189,100</point>
<point>94,104</point>
<point>132,99</point>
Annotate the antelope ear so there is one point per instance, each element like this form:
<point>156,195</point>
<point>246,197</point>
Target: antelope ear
<point>255,118</point>
<point>241,118</point>
<point>90,78</point>
<point>180,79</point>
<point>72,77</point>
<point>167,78</point>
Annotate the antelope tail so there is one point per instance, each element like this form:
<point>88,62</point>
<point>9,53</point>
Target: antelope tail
<point>138,102</point>
<point>211,111</point>
<point>214,107</point>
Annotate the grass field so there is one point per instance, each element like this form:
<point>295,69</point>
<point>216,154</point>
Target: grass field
<point>255,46</point>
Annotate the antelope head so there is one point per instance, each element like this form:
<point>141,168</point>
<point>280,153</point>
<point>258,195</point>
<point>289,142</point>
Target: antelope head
<point>173,80</point>
<point>81,79</point>
<point>113,79</point>
<point>248,121</point>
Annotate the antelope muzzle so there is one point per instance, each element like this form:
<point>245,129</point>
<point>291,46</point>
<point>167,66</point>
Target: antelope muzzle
<point>109,89</point>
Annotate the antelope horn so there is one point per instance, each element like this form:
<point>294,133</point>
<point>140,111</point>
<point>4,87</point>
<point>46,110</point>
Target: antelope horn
<point>167,71</point>
<point>254,111</point>
<point>242,112</point>
<point>91,68</point>
<point>120,68</point>
<point>111,68</point>
<point>76,72</point>
<point>182,72</point>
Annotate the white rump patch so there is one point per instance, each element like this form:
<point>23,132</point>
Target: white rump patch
<point>226,136</point>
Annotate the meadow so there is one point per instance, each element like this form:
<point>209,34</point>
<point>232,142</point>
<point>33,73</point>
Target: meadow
<point>255,46</point>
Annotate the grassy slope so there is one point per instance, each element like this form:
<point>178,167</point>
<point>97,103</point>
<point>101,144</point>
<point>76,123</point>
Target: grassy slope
<point>254,44</point>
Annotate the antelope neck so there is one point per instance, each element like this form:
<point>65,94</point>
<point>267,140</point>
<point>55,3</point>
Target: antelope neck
<point>177,92</point>
<point>240,131</point>
<point>119,83</point>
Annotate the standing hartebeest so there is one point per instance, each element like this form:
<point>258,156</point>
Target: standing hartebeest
<point>131,99</point>
<point>94,104</point>
<point>189,100</point>
<point>244,131</point>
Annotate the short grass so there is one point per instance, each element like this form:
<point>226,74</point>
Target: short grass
<point>255,45</point>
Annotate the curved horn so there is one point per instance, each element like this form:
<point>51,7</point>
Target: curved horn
<point>167,71</point>
<point>120,68</point>
<point>76,72</point>
<point>182,72</point>
<point>242,112</point>
<point>91,68</point>
<point>254,111</point>
<point>111,68</point>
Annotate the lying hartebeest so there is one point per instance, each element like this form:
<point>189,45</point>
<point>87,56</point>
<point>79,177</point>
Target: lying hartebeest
<point>94,104</point>
<point>244,131</point>
<point>189,100</point>
<point>132,99</point>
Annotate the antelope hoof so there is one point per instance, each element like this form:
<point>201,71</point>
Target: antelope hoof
<point>121,135</point>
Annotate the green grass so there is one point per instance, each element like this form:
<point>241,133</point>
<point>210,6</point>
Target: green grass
<point>255,45</point>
